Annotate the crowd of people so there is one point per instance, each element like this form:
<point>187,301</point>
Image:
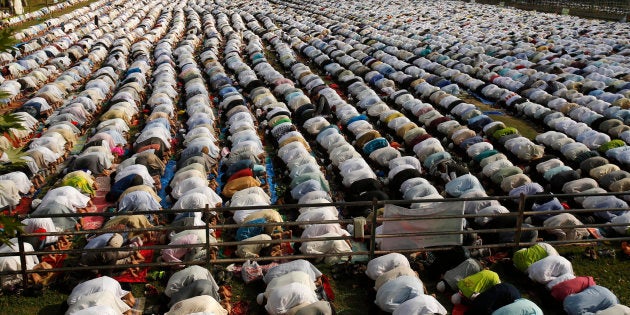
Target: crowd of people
<point>193,105</point>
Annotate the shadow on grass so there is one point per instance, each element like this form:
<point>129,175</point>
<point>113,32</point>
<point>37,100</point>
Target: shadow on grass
<point>53,309</point>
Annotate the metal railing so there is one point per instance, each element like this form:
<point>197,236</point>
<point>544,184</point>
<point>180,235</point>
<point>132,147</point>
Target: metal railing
<point>371,236</point>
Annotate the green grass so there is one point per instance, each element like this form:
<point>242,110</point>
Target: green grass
<point>38,4</point>
<point>527,128</point>
<point>48,303</point>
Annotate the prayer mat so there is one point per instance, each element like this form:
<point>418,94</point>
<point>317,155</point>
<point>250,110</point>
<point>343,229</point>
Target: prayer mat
<point>481,98</point>
<point>23,207</point>
<point>169,172</point>
<point>142,274</point>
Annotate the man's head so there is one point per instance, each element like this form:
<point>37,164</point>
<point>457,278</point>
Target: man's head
<point>137,180</point>
<point>35,203</point>
<point>116,240</point>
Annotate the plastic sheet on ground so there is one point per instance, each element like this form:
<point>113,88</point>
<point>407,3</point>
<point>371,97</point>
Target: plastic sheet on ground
<point>429,210</point>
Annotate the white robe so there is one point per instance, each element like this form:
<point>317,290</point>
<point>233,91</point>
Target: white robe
<point>13,263</point>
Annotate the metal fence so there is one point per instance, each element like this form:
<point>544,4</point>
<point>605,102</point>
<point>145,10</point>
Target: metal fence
<point>617,10</point>
<point>370,236</point>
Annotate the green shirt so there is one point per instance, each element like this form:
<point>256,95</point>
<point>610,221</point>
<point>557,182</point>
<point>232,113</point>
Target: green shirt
<point>527,256</point>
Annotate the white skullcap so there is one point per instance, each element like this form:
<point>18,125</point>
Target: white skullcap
<point>260,298</point>
<point>35,203</point>
<point>116,240</point>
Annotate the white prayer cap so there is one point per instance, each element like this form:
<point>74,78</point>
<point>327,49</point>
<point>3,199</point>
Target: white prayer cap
<point>35,203</point>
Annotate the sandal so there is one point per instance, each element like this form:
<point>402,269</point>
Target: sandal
<point>606,252</point>
<point>590,253</point>
<point>221,276</point>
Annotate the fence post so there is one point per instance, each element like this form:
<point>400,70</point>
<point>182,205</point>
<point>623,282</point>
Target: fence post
<point>207,213</point>
<point>373,229</point>
<point>519,219</point>
<point>20,240</point>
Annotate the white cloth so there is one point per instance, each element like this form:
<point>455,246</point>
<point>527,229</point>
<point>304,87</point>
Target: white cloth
<point>380,265</point>
<point>186,276</point>
<point>316,230</point>
<point>549,268</point>
<point>283,298</point>
<point>12,263</point>
<point>317,214</point>
<point>9,194</point>
<point>296,265</point>
<point>202,303</point>
<point>397,291</point>
<point>188,184</point>
<point>291,277</point>
<point>97,299</point>
<point>98,310</point>
<point>99,284</point>
<point>195,200</point>
<point>20,179</point>
<point>327,247</point>
<point>137,169</point>
<point>67,196</point>
<point>420,305</point>
<point>208,192</point>
<point>32,224</point>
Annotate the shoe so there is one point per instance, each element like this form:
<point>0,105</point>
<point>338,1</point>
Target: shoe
<point>606,252</point>
<point>220,277</point>
<point>590,253</point>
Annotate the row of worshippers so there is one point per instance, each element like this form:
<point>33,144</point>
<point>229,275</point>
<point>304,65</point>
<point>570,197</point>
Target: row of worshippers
<point>74,191</point>
<point>190,186</point>
<point>590,126</point>
<point>244,166</point>
<point>515,178</point>
<point>400,291</point>
<point>291,288</point>
<point>294,287</point>
<point>138,178</point>
<point>559,56</point>
<point>579,294</point>
<point>18,19</point>
<point>308,183</point>
<point>52,52</point>
<point>135,180</point>
<point>413,187</point>
<point>48,150</point>
<point>190,290</point>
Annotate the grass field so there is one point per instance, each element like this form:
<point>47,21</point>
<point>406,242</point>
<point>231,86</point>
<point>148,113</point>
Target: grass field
<point>38,4</point>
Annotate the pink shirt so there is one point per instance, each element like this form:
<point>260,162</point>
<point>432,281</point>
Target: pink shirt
<point>175,254</point>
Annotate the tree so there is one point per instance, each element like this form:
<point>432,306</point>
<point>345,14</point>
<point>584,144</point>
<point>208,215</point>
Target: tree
<point>7,41</point>
<point>9,225</point>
